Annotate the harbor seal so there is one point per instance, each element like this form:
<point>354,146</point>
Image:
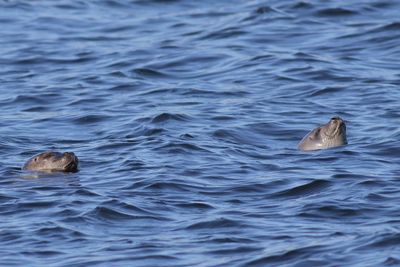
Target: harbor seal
<point>329,135</point>
<point>51,161</point>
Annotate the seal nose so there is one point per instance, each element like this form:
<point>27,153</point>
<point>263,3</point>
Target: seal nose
<point>337,119</point>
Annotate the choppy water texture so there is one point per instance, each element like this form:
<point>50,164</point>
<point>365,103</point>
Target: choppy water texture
<point>186,116</point>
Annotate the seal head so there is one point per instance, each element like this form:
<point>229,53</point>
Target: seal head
<point>51,161</point>
<point>329,135</point>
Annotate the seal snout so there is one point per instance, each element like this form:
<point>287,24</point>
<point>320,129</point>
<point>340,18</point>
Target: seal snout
<point>72,166</point>
<point>337,120</point>
<point>73,161</point>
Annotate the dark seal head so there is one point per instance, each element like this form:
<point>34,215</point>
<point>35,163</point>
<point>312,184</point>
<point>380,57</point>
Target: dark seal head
<point>53,162</point>
<point>329,135</point>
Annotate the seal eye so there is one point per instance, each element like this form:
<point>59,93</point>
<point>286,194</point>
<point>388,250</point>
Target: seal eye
<point>35,159</point>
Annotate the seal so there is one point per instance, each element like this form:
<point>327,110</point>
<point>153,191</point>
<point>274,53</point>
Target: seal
<point>51,161</point>
<point>329,135</point>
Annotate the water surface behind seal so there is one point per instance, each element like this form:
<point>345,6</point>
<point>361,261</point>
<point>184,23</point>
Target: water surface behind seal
<point>186,116</point>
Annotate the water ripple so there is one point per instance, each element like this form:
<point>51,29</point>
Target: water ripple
<point>186,116</point>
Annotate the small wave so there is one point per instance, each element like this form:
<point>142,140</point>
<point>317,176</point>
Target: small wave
<point>87,101</point>
<point>115,4</point>
<point>186,136</point>
<point>190,63</point>
<point>210,14</point>
<point>94,38</point>
<point>266,12</point>
<point>163,117</point>
<point>33,60</point>
<point>110,214</point>
<point>181,148</point>
<point>384,240</point>
<point>171,186</point>
<point>214,224</point>
<point>392,261</point>
<point>287,257</point>
<point>239,137</point>
<point>143,130</point>
<point>253,188</point>
<point>376,197</point>
<point>223,118</point>
<point>311,188</point>
<point>134,164</point>
<point>36,109</point>
<point>27,99</point>
<point>153,131</point>
<point>126,207</point>
<point>85,193</point>
<point>230,240</point>
<point>28,60</point>
<point>226,33</point>
<point>146,72</point>
<point>195,206</point>
<point>302,5</point>
<point>235,251</point>
<point>123,87</point>
<point>335,12</point>
<point>264,9</point>
<point>4,198</point>
<point>58,232</point>
<point>36,205</point>
<point>90,119</point>
<point>393,26</point>
<point>75,5</point>
<point>277,130</point>
<point>327,91</point>
<point>330,211</point>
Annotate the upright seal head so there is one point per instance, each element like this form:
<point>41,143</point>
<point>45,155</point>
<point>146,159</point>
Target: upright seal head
<point>51,161</point>
<point>329,135</point>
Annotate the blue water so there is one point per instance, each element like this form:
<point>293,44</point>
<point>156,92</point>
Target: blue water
<point>185,116</point>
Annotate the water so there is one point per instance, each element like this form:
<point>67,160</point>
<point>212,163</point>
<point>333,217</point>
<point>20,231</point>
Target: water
<point>186,116</point>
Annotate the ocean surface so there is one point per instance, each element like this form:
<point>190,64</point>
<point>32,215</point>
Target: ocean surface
<point>186,116</point>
